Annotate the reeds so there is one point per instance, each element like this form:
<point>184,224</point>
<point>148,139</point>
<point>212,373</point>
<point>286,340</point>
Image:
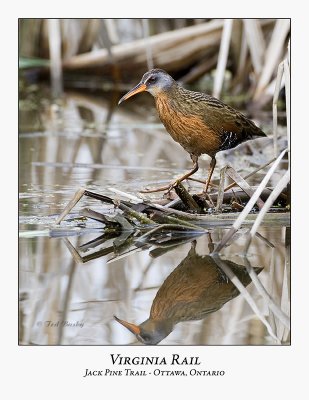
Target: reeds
<point>242,216</point>
<point>250,47</point>
<point>54,37</point>
<point>282,69</point>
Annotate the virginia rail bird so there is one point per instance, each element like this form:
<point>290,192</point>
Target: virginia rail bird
<point>200,123</point>
<point>196,288</point>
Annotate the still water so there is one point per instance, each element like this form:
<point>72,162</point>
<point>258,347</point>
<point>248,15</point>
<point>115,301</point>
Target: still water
<point>72,282</point>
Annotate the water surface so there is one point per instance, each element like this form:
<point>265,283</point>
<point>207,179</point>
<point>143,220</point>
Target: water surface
<point>70,297</point>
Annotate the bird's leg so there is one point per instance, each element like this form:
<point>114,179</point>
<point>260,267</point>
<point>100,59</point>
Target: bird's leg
<point>194,158</point>
<point>211,170</point>
<point>169,187</point>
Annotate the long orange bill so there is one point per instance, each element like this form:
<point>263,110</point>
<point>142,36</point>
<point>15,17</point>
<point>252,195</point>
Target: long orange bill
<point>141,87</point>
<point>132,328</point>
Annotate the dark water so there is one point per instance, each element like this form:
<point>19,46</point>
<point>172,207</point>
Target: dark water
<point>65,299</point>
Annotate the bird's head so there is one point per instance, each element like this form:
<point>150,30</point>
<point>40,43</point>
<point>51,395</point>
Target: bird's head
<point>149,332</point>
<point>154,81</point>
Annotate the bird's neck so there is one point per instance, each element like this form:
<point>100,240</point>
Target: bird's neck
<point>161,326</point>
<point>169,100</point>
<point>164,100</point>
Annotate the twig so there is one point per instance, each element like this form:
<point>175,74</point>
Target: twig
<point>166,219</point>
<point>135,214</point>
<point>186,198</point>
<point>172,211</point>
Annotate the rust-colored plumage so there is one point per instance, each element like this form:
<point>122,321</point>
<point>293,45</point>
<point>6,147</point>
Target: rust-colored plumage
<point>200,123</point>
<point>196,288</point>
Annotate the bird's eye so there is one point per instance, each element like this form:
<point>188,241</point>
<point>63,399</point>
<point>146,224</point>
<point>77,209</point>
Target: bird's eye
<point>151,79</point>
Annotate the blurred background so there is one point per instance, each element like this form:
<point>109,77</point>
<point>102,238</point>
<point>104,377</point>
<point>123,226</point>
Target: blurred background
<point>72,72</point>
<point>239,57</point>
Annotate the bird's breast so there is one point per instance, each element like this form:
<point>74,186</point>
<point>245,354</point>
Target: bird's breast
<point>189,130</point>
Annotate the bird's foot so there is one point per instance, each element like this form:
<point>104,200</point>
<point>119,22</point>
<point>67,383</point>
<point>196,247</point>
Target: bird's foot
<point>168,188</point>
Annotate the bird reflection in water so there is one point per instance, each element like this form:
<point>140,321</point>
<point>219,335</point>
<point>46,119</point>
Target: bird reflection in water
<point>196,288</point>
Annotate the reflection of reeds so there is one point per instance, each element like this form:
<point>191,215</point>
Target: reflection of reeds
<point>246,295</point>
<point>128,286</point>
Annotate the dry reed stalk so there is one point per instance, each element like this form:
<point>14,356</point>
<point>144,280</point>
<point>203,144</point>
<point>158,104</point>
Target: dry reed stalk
<point>287,79</point>
<point>241,218</point>
<point>223,56</point>
<point>112,30</point>
<point>285,294</point>
<point>256,43</point>
<point>251,173</point>
<point>54,35</point>
<point>242,54</point>
<point>148,49</point>
<point>206,34</point>
<point>269,202</point>
<point>266,296</point>
<point>107,41</point>
<point>244,292</point>
<point>127,195</point>
<point>275,108</point>
<point>242,183</point>
<point>77,196</point>
<point>221,189</point>
<point>273,54</point>
<point>238,180</point>
<point>199,69</point>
